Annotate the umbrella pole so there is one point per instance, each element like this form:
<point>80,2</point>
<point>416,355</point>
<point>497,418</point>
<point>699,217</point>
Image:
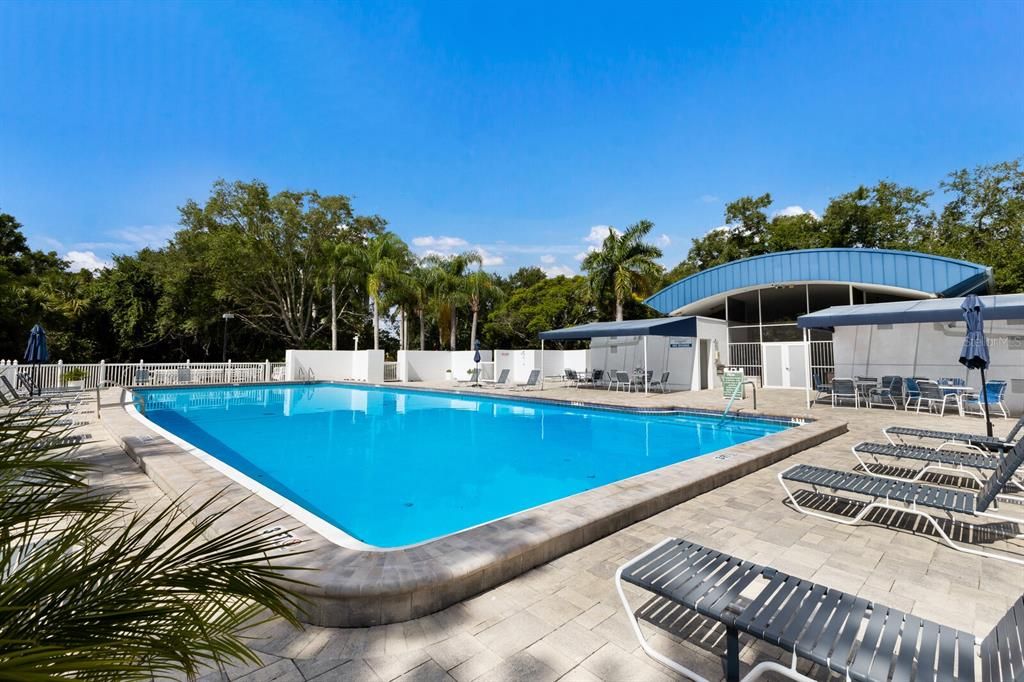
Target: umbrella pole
<point>984,399</point>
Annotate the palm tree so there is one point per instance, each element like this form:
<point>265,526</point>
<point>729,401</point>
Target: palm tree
<point>380,261</point>
<point>480,286</point>
<point>624,264</point>
<point>418,286</point>
<point>90,590</point>
<point>447,274</point>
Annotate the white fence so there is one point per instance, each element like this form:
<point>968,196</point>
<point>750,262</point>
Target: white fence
<point>56,375</point>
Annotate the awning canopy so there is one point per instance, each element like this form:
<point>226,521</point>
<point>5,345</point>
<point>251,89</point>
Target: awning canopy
<point>661,326</point>
<point>1003,307</point>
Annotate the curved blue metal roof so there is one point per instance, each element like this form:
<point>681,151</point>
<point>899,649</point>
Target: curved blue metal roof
<point>932,275</point>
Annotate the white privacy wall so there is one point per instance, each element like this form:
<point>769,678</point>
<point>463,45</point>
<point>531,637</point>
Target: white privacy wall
<point>931,350</point>
<point>335,365</point>
<point>433,365</point>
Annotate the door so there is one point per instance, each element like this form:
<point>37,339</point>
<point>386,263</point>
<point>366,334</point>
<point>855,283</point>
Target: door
<point>785,365</point>
<point>705,362</point>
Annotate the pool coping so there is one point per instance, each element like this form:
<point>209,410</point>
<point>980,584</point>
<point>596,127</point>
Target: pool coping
<point>365,587</point>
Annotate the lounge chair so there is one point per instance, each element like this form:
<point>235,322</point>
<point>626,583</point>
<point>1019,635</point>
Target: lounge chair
<point>996,391</point>
<point>500,382</point>
<point>914,498</point>
<point>59,392</point>
<point>474,378</point>
<point>141,377</point>
<point>845,389</point>
<point>990,443</point>
<point>959,462</point>
<point>66,399</point>
<point>660,383</point>
<point>613,379</point>
<point>855,638</point>
<point>571,378</point>
<point>531,382</point>
<point>33,407</point>
<point>598,378</point>
<point>184,375</point>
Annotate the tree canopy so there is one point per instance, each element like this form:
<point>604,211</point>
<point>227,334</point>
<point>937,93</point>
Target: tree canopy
<point>301,269</point>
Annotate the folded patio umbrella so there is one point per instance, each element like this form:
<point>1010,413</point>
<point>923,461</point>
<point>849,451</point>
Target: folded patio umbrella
<point>974,354</point>
<point>36,350</point>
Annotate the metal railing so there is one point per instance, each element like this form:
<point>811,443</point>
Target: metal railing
<point>55,375</point>
<point>747,356</point>
<point>736,391</point>
<point>823,363</point>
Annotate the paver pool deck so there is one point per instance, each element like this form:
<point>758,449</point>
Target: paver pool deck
<point>563,620</point>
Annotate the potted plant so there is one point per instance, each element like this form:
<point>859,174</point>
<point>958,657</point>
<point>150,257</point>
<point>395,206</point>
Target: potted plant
<point>74,378</point>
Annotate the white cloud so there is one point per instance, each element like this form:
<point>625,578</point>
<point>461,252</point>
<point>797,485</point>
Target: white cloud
<point>489,259</point>
<point>84,260</point>
<point>720,228</point>
<point>795,210</point>
<point>598,233</point>
<point>583,254</point>
<point>445,243</point>
<point>556,270</point>
<point>547,259</point>
<point>664,240</point>
<point>709,199</point>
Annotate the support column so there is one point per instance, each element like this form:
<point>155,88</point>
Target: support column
<point>807,362</point>
<point>645,364</point>
<point>542,364</point>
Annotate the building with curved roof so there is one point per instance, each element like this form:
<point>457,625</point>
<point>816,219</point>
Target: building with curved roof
<point>760,298</point>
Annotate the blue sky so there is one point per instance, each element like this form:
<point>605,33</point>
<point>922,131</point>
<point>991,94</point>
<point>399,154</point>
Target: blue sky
<point>515,128</point>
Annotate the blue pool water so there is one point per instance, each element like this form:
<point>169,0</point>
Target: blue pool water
<point>392,467</point>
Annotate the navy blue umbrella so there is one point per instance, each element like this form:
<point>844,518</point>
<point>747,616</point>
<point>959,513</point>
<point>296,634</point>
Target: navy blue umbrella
<point>476,359</point>
<point>36,351</point>
<point>974,354</point>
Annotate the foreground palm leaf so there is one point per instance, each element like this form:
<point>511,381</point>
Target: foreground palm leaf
<point>91,590</point>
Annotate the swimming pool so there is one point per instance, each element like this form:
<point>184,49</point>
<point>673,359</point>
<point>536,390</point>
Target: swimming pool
<point>392,467</point>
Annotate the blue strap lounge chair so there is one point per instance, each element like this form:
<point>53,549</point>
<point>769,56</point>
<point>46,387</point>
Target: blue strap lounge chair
<point>910,497</point>
<point>960,462</point>
<point>844,390</point>
<point>474,378</point>
<point>898,435</point>
<point>933,397</point>
<point>911,392</point>
<point>848,635</point>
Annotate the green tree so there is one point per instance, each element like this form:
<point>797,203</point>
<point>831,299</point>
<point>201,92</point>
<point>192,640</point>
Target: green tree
<point>449,291</point>
<point>551,303</point>
<point>266,253</point>
<point>624,265</point>
<point>881,217</point>
<point>480,288</point>
<point>983,221</point>
<point>380,262</point>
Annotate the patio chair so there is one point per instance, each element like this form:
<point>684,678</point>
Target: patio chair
<point>913,498</point>
<point>141,377</point>
<point>911,392</point>
<point>500,382</point>
<point>613,380</point>
<point>995,392</point>
<point>660,383</point>
<point>889,393</point>
<point>980,442</point>
<point>532,381</point>
<point>823,389</point>
<point>849,635</point>
<point>598,378</point>
<point>959,462</point>
<point>933,396</point>
<point>571,379</point>
<point>845,389</point>
<point>623,379</point>
<point>184,375</point>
